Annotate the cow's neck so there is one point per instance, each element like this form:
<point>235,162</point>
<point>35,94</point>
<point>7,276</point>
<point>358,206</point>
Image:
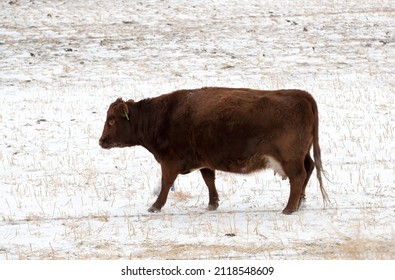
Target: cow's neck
<point>152,116</point>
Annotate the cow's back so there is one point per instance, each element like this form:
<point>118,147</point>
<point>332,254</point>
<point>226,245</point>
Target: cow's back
<point>232,106</point>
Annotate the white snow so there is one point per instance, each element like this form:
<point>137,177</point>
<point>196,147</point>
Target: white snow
<point>63,62</point>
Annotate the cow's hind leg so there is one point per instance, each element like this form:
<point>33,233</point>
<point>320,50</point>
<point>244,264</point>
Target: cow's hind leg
<point>297,176</point>
<point>209,179</point>
<point>309,167</point>
<point>168,178</point>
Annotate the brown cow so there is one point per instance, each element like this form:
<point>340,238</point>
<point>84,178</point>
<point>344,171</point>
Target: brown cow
<point>229,129</point>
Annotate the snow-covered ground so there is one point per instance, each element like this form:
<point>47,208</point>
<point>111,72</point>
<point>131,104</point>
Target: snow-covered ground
<point>63,62</point>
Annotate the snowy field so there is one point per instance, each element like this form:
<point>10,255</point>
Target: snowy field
<point>63,62</point>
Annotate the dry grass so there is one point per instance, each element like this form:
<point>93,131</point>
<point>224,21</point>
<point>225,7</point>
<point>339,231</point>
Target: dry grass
<point>359,249</point>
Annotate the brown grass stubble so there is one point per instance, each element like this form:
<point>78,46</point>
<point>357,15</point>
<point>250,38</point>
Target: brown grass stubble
<point>362,249</point>
<point>359,249</point>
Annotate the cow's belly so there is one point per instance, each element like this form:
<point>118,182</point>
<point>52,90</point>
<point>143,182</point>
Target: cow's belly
<point>251,164</point>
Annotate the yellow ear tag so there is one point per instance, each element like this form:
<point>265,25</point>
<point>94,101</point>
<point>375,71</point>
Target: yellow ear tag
<point>126,115</point>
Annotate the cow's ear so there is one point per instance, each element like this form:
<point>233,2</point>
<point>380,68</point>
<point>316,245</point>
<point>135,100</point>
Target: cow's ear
<point>123,110</point>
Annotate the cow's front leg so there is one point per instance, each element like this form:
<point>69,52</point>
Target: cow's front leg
<point>168,178</point>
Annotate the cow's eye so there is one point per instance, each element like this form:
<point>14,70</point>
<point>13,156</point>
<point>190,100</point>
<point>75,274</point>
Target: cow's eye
<point>111,122</point>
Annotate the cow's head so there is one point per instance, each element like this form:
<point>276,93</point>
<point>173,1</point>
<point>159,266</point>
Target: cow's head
<point>117,131</point>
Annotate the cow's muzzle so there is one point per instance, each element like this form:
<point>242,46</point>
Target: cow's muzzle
<point>104,144</point>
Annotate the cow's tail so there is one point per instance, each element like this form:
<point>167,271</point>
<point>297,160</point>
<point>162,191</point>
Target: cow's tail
<point>317,156</point>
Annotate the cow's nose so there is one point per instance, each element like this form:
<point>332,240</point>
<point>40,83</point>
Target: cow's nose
<point>101,142</point>
<point>104,143</point>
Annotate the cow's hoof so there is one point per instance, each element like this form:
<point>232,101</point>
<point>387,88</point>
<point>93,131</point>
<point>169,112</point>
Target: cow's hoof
<point>153,209</point>
<point>288,211</point>
<point>212,207</point>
